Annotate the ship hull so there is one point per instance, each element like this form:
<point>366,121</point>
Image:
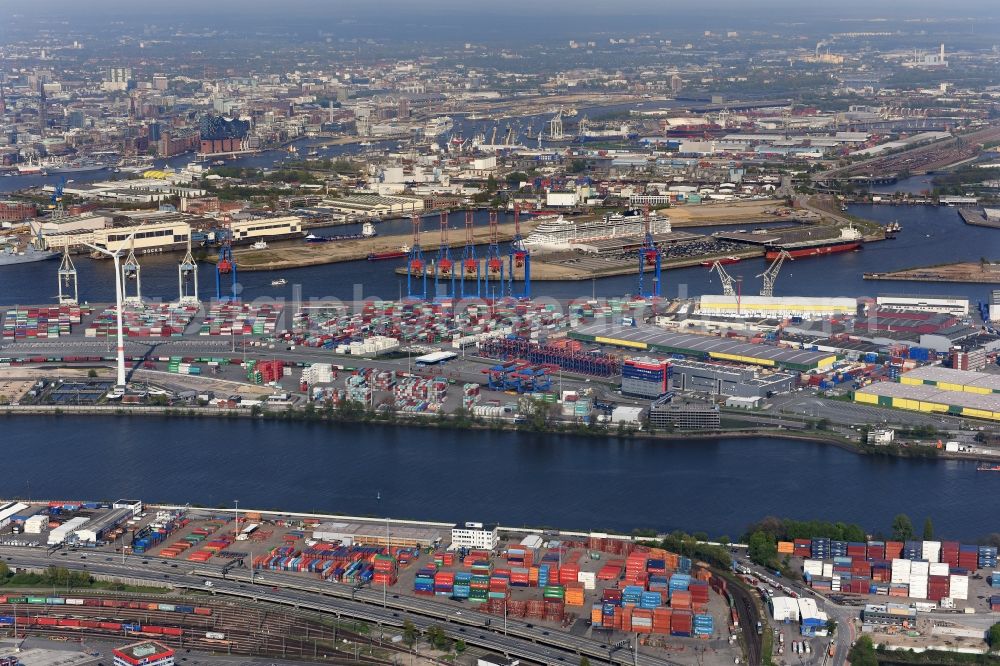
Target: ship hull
<point>382,256</point>
<point>28,258</point>
<point>815,250</point>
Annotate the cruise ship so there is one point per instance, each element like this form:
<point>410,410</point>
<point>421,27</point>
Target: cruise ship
<point>438,126</point>
<point>557,232</point>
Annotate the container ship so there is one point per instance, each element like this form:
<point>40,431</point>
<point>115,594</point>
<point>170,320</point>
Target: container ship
<point>389,254</point>
<point>557,232</point>
<point>725,261</point>
<point>850,239</point>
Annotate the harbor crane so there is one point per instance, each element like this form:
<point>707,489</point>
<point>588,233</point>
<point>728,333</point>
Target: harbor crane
<point>131,273</point>
<point>726,278</point>
<point>494,260</point>
<point>771,274</point>
<point>68,280</point>
<point>650,258</point>
<point>470,264</point>
<point>415,267</point>
<point>518,259</point>
<point>444,266</point>
<point>187,278</point>
<point>226,265</point>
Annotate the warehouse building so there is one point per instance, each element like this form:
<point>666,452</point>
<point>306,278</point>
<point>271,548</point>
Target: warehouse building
<point>8,511</point>
<point>684,416</point>
<point>889,614</point>
<point>776,306</point>
<point>784,609</point>
<point>474,535</point>
<point>377,534</point>
<point>96,529</point>
<point>645,377</point>
<point>925,398</point>
<point>949,379</point>
<point>374,205</point>
<point>702,347</point>
<point>247,231</point>
<point>958,307</point>
<point>728,380</point>
<point>145,653</point>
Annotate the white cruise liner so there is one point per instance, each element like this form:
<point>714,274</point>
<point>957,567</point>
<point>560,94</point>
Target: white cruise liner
<point>438,126</point>
<point>557,232</point>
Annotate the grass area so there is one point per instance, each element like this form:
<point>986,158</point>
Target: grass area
<point>60,579</point>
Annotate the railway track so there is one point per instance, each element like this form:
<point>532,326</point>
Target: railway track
<point>746,609</point>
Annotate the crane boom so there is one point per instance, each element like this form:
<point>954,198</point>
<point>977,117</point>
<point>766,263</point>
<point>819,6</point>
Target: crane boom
<point>771,274</point>
<point>726,278</point>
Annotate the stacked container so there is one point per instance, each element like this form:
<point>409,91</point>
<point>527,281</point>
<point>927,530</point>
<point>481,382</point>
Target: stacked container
<point>704,626</point>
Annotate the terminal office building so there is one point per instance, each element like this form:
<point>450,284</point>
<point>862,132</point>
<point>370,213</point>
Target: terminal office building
<point>716,379</point>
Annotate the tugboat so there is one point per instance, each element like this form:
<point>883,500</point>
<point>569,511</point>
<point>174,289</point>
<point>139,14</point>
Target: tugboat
<point>260,245</point>
<point>278,282</point>
<point>892,229</point>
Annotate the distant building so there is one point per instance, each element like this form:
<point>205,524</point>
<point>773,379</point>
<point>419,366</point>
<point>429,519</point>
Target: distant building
<point>474,535</point>
<point>685,416</point>
<point>76,119</point>
<point>881,436</point>
<point>145,653</point>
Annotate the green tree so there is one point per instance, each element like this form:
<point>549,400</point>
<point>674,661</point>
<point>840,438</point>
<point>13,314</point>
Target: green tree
<point>762,548</point>
<point>928,529</point>
<point>92,373</point>
<point>993,637</point>
<point>863,653</point>
<point>4,572</point>
<point>460,646</point>
<point>491,184</point>
<point>584,661</point>
<point>902,528</point>
<point>409,633</point>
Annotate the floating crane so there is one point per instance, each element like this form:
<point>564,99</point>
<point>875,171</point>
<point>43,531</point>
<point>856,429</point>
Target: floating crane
<point>444,266</point>
<point>649,258</point>
<point>131,273</point>
<point>771,274</point>
<point>518,258</point>
<point>470,264</point>
<point>68,279</point>
<point>415,267</point>
<point>225,266</point>
<point>187,278</point>
<point>726,278</point>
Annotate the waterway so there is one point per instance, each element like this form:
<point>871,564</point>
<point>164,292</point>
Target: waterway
<point>931,235</point>
<point>713,485</point>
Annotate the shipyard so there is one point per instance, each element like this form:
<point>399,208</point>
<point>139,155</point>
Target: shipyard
<point>566,334</point>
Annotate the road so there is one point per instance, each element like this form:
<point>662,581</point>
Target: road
<point>515,637</point>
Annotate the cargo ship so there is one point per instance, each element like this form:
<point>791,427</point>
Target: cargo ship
<point>988,467</point>
<point>725,261</point>
<point>10,254</point>
<point>850,239</point>
<point>389,254</point>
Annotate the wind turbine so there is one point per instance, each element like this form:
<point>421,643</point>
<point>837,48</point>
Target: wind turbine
<point>115,257</point>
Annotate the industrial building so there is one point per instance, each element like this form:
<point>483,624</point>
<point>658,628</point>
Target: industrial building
<point>169,232</point>
<point>958,307</point>
<point>61,533</point>
<point>776,306</point>
<point>145,653</point>
<point>889,614</point>
<point>373,205</point>
<point>684,416</point>
<point>702,347</point>
<point>96,529</point>
<point>812,619</point>
<point>783,609</point>
<point>474,535</point>
<point>728,380</point>
<point>269,228</point>
<point>8,511</point>
<point>645,377</point>
<point>377,534</point>
<point>948,379</point>
<point>927,398</point>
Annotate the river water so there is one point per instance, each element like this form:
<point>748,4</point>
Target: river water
<point>931,235</point>
<point>713,485</point>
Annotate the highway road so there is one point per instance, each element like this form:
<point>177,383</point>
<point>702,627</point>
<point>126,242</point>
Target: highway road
<point>514,637</point>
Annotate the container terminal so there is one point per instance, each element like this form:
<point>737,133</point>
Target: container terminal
<point>481,582</point>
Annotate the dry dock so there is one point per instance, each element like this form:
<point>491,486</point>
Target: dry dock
<point>969,271</point>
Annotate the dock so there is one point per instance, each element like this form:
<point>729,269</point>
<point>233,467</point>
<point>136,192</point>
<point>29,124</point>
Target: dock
<point>973,272</point>
<point>975,218</point>
<point>299,254</point>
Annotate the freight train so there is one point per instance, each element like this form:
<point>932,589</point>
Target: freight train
<point>105,603</point>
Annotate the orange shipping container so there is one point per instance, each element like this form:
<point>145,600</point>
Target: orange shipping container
<point>786,547</point>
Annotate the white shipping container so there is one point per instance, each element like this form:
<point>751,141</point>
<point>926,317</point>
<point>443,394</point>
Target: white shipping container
<point>828,570</point>
<point>588,578</point>
<point>920,568</point>
<point>939,569</point>
<point>813,567</point>
<point>931,551</point>
<point>958,587</point>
